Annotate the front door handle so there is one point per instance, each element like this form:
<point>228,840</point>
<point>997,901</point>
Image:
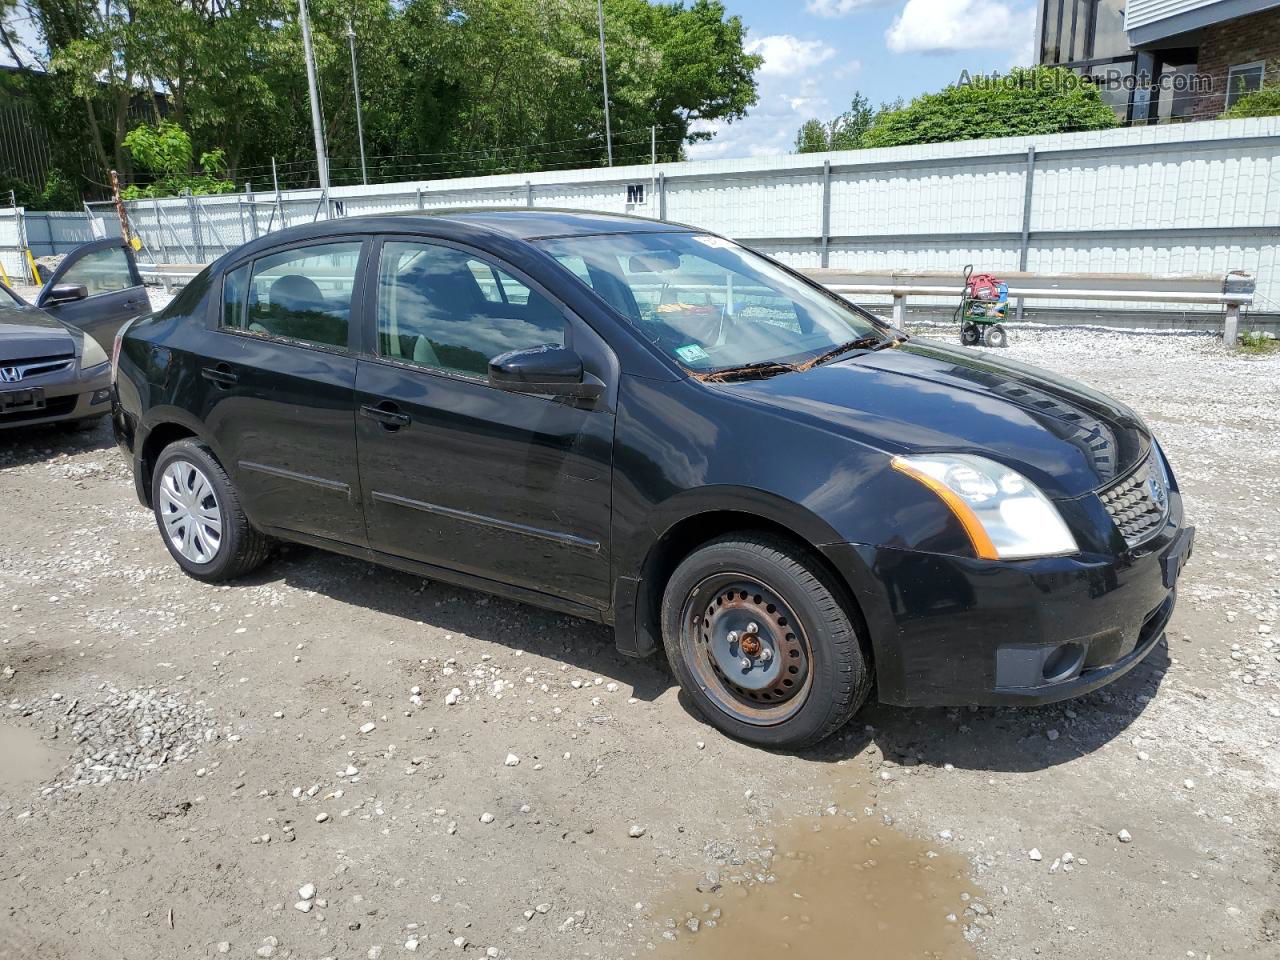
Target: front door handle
<point>387,414</point>
<point>221,375</point>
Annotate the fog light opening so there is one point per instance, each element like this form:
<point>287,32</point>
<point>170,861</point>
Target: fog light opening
<point>100,396</point>
<point>1063,663</point>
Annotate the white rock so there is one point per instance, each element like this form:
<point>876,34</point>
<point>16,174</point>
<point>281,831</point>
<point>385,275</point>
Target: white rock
<point>307,891</point>
<point>459,941</point>
<point>486,817</point>
<point>411,944</point>
<point>1035,854</point>
<point>303,905</point>
<point>321,817</point>
<point>368,727</point>
<point>452,697</point>
<point>636,831</point>
<point>1124,836</point>
<point>512,760</point>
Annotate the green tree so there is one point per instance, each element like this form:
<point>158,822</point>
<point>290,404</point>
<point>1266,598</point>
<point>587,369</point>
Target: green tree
<point>1025,101</point>
<point>1264,102</point>
<point>812,137</point>
<point>164,149</point>
<point>845,132</point>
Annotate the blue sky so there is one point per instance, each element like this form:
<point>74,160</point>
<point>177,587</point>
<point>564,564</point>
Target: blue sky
<point>818,52</point>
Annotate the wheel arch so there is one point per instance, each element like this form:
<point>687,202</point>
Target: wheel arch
<point>640,586</point>
<point>166,426</point>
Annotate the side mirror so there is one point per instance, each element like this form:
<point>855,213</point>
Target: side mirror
<point>548,370</point>
<point>67,293</point>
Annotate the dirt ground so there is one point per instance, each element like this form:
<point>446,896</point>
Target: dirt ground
<point>335,760</point>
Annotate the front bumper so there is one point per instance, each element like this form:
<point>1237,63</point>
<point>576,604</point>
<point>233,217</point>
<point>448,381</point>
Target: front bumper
<point>957,631</point>
<point>67,396</point>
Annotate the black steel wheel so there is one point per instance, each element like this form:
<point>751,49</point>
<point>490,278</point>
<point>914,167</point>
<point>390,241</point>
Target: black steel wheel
<point>758,639</point>
<point>996,337</point>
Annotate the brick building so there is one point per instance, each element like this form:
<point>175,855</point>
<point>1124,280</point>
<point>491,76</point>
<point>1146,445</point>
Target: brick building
<point>1164,60</point>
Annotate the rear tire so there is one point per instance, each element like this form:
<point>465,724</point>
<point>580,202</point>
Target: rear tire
<point>996,337</point>
<point>970,334</point>
<point>741,595</point>
<point>198,513</point>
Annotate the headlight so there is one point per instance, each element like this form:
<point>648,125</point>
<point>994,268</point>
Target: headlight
<point>1006,517</point>
<point>93,354</point>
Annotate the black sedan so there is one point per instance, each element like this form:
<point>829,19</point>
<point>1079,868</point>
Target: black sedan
<point>654,427</point>
<point>53,355</point>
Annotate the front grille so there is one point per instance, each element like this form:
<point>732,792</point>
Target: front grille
<point>1133,508</point>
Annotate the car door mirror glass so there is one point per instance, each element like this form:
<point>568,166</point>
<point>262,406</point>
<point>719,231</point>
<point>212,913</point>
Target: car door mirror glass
<point>67,293</point>
<point>549,370</point>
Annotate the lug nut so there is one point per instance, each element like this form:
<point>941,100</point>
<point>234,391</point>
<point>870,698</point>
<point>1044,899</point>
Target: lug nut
<point>733,636</point>
<point>753,628</point>
<point>766,654</point>
<point>746,663</point>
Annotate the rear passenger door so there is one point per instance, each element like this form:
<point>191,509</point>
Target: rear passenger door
<point>279,388</point>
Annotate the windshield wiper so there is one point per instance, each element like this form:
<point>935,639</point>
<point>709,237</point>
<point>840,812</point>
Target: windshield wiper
<point>748,371</point>
<point>862,343</point>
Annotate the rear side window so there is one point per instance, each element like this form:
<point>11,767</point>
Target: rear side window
<point>102,271</point>
<point>302,294</point>
<point>442,308</point>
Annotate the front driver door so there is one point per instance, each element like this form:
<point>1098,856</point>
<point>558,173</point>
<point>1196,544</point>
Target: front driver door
<point>456,473</point>
<point>115,294</point>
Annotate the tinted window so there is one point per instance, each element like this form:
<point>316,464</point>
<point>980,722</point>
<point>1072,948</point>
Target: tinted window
<point>442,308</point>
<point>302,294</point>
<point>234,302</point>
<point>103,271</point>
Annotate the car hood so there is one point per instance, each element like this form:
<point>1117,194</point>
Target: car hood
<point>27,332</point>
<point>926,396</point>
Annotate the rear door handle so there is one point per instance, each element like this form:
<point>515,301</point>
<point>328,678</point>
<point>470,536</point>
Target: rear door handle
<point>387,414</point>
<point>222,375</point>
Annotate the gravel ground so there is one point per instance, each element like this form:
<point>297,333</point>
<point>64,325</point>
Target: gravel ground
<point>334,760</point>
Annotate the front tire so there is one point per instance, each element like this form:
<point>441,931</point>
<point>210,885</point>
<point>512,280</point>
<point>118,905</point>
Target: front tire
<point>758,639</point>
<point>996,337</point>
<point>199,516</point>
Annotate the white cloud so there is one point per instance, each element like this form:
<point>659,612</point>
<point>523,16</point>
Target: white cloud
<point>836,8</point>
<point>938,26</point>
<point>785,55</point>
<point>793,86</point>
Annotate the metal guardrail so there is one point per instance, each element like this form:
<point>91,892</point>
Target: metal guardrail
<point>1231,292</point>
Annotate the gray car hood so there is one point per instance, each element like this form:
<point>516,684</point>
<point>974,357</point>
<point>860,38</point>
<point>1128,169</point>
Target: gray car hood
<point>27,333</point>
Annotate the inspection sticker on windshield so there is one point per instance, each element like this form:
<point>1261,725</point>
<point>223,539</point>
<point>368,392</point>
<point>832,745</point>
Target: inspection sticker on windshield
<point>720,243</point>
<point>692,353</point>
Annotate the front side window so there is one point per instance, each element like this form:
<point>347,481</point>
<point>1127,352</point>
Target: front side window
<point>303,294</point>
<point>102,271</point>
<point>708,302</point>
<point>443,308</point>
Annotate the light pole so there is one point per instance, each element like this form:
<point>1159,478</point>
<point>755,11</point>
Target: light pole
<point>313,88</point>
<point>604,75</point>
<point>355,84</point>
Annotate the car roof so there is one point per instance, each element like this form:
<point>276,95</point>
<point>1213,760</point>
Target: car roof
<point>524,223</point>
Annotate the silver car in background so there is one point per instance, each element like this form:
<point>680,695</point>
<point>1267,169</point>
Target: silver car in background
<point>54,356</point>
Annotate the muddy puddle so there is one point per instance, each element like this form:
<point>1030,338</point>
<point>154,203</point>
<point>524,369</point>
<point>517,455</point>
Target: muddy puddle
<point>844,885</point>
<point>26,761</point>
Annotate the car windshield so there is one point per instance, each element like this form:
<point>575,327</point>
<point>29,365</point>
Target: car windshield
<point>712,304</point>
